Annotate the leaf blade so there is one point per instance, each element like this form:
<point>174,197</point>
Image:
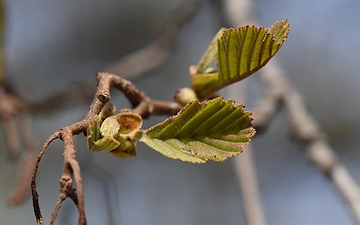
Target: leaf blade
<point>194,135</point>
<point>241,52</point>
<point>209,54</point>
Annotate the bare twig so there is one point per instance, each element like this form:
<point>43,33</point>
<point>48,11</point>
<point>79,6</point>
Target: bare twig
<point>265,108</point>
<point>150,57</point>
<point>307,130</point>
<point>142,105</point>
<point>10,107</point>
<point>72,168</point>
<point>246,172</point>
<point>34,193</point>
<point>238,13</point>
<point>22,190</point>
<point>14,114</point>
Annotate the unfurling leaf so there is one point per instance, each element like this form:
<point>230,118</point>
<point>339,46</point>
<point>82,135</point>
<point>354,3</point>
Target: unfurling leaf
<point>117,133</point>
<point>210,54</point>
<point>216,129</point>
<point>240,53</point>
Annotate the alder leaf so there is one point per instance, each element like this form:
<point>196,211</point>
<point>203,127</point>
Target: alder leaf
<point>240,53</point>
<point>210,54</point>
<point>215,129</point>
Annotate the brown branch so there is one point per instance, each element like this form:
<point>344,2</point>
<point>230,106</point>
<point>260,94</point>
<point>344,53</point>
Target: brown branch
<point>10,107</point>
<point>11,137</point>
<point>71,169</point>
<point>71,166</point>
<point>150,57</point>
<point>265,108</point>
<point>14,114</point>
<point>22,190</point>
<point>142,104</point>
<point>246,172</point>
<point>307,130</point>
<point>12,104</point>
<point>165,108</point>
<point>34,193</point>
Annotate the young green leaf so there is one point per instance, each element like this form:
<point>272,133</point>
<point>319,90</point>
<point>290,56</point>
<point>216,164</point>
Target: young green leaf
<point>98,142</point>
<point>240,53</point>
<point>210,54</point>
<point>216,129</point>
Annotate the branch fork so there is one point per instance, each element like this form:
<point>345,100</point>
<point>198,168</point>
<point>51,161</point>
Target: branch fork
<point>142,105</point>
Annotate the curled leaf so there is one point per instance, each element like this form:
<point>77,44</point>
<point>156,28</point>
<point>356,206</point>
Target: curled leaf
<point>216,129</point>
<point>118,133</point>
<point>98,142</point>
<point>129,134</point>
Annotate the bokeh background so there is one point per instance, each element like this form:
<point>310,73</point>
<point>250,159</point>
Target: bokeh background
<point>52,44</point>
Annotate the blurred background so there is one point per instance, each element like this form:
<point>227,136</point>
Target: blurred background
<point>50,45</point>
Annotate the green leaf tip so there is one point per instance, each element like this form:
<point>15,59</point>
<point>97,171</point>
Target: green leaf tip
<point>215,130</point>
<point>240,53</point>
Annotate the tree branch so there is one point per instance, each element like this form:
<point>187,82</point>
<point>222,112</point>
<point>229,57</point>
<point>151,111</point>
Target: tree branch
<point>238,13</point>
<point>14,115</point>
<point>305,128</point>
<point>142,104</point>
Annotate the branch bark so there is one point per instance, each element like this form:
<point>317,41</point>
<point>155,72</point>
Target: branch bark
<point>143,105</point>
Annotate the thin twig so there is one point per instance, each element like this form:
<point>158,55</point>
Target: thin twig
<point>11,136</point>
<point>72,168</point>
<point>34,193</point>
<point>10,108</point>
<point>265,108</point>
<point>307,130</point>
<point>22,190</point>
<point>14,114</point>
<point>238,13</point>
<point>150,57</point>
<point>142,104</point>
<point>246,172</point>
